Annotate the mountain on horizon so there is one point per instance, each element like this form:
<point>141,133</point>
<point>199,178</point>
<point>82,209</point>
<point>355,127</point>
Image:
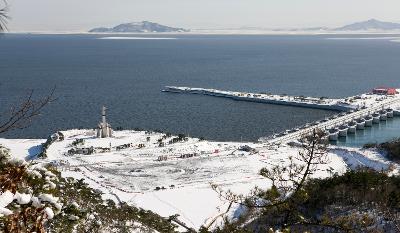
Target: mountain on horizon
<point>138,27</point>
<point>150,27</point>
<point>371,24</point>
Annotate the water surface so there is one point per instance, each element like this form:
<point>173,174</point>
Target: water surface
<point>378,133</point>
<point>127,76</point>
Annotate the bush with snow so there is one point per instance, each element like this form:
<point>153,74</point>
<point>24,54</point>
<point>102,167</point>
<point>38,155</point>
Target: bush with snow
<point>24,203</point>
<point>51,203</point>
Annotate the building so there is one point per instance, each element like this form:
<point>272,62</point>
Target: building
<point>104,129</point>
<point>83,151</point>
<point>384,91</point>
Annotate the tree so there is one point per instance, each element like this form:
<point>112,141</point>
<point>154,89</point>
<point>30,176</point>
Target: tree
<point>21,115</point>
<point>3,17</point>
<point>24,207</point>
<point>26,195</point>
<point>282,202</point>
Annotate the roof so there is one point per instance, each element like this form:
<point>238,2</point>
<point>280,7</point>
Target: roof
<point>385,88</point>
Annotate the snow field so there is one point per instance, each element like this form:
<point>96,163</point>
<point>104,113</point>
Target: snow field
<point>178,185</point>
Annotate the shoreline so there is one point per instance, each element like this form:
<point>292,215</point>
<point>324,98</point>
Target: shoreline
<point>212,32</point>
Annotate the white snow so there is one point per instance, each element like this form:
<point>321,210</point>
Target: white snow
<point>355,158</point>
<point>6,198</point>
<point>36,202</point>
<point>73,217</point>
<point>51,185</point>
<point>22,198</point>
<point>17,161</point>
<point>74,204</point>
<point>34,173</point>
<point>48,198</point>
<point>23,148</point>
<point>5,211</point>
<point>176,185</point>
<point>49,174</point>
<point>49,212</point>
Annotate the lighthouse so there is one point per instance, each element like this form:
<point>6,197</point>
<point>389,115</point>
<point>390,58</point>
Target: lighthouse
<point>104,129</point>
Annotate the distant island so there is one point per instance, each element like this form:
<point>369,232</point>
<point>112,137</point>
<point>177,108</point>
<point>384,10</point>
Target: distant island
<point>369,25</point>
<point>138,27</point>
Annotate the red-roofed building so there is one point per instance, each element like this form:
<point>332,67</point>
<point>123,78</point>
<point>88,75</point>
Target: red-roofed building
<point>385,91</point>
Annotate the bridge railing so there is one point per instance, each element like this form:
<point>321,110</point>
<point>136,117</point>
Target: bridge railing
<point>334,122</point>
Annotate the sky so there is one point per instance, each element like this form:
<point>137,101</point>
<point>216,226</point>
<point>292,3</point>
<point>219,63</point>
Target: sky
<point>82,15</point>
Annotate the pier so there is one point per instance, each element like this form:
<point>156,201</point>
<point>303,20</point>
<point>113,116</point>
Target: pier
<point>297,101</point>
<point>357,112</point>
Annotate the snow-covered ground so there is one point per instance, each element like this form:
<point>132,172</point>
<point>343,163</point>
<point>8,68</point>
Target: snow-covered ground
<point>158,179</point>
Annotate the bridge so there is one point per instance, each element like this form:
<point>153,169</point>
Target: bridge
<point>346,118</point>
<point>353,107</point>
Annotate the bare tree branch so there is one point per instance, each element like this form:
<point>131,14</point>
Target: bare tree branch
<point>287,193</point>
<point>287,179</point>
<point>4,17</point>
<point>21,116</point>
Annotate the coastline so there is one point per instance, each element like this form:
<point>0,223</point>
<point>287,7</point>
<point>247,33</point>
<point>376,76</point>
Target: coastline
<point>212,32</point>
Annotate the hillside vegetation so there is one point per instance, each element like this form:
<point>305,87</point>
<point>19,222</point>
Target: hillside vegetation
<point>357,201</point>
<point>361,200</point>
<point>34,198</point>
<point>392,148</point>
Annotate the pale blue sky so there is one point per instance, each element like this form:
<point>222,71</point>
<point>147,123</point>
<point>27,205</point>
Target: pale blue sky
<point>80,15</point>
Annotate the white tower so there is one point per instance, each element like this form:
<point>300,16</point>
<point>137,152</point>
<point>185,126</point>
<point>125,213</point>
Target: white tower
<point>103,115</point>
<point>104,129</point>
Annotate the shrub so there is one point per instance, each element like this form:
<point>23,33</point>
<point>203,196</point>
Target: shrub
<point>392,148</point>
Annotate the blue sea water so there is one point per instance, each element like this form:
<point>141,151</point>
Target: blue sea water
<point>378,133</point>
<point>127,76</point>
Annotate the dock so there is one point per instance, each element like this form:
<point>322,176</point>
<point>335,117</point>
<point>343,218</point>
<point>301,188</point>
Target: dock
<point>347,104</point>
<point>357,112</point>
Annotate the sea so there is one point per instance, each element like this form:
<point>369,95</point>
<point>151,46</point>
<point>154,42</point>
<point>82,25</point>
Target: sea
<point>126,73</point>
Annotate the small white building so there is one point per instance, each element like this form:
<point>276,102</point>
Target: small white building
<point>104,129</point>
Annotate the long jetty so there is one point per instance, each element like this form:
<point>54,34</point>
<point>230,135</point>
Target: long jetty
<point>355,107</point>
<point>297,101</point>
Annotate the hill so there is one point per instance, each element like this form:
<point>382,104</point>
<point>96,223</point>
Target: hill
<point>138,27</point>
<point>371,24</point>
